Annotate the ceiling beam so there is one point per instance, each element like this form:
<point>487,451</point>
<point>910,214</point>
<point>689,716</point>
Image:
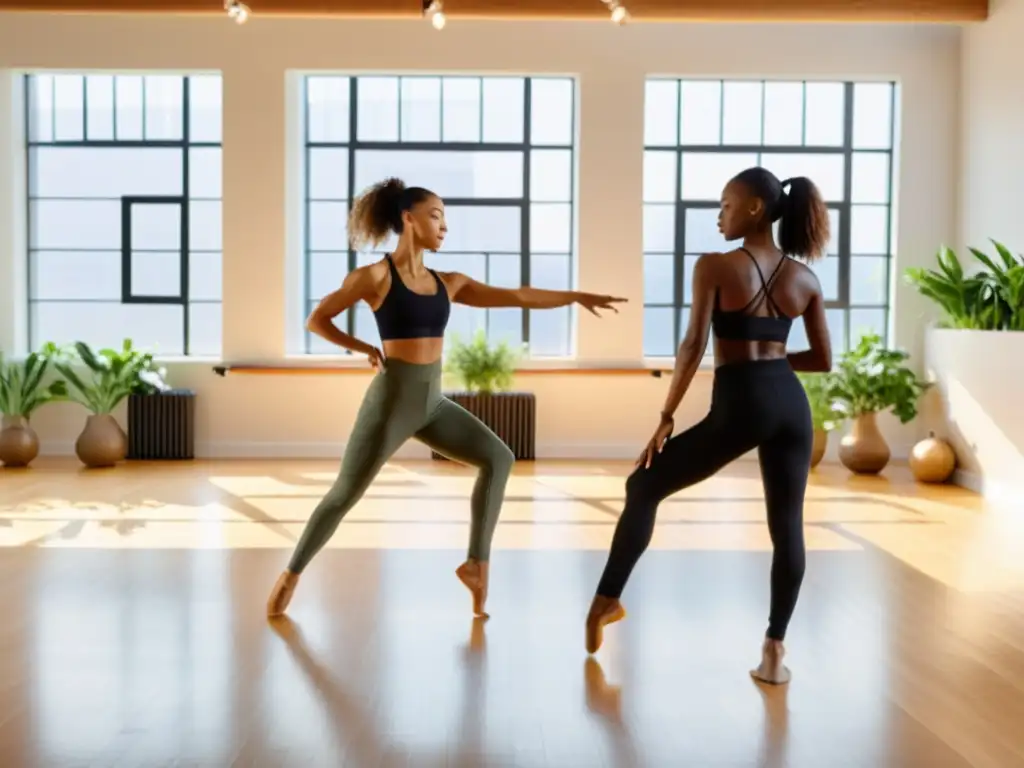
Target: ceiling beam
<point>864,11</point>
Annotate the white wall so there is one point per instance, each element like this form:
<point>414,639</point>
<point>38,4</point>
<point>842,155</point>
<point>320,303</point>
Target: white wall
<point>581,415</point>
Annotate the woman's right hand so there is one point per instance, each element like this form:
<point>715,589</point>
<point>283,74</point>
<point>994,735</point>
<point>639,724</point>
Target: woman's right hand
<point>376,358</point>
<point>656,443</point>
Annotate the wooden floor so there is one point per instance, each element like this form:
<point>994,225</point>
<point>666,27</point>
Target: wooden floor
<point>135,633</point>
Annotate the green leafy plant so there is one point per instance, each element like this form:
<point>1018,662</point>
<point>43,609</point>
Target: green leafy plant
<point>988,299</point>
<point>823,411</point>
<point>871,378</point>
<point>480,366</point>
<point>114,375</point>
<point>22,391</point>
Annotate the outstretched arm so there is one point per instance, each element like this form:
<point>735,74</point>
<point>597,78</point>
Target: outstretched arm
<point>466,290</point>
<point>691,350</point>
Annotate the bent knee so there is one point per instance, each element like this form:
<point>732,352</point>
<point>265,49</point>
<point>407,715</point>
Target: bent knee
<point>502,458</point>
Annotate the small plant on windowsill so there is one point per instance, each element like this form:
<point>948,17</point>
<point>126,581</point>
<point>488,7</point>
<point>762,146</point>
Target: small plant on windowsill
<point>22,393</point>
<point>485,371</point>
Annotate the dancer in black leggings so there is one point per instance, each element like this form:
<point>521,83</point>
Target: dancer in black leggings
<point>757,400</point>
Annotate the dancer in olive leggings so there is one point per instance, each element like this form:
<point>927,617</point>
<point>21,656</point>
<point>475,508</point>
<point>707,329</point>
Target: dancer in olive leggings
<point>756,402</point>
<point>411,304</point>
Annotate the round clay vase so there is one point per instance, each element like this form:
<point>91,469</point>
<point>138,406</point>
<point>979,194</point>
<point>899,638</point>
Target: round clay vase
<point>932,460</point>
<point>19,444</point>
<point>819,446</point>
<point>864,451</point>
<point>102,443</point>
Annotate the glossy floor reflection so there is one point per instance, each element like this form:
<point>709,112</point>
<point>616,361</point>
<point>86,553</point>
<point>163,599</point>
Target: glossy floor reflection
<point>135,633</point>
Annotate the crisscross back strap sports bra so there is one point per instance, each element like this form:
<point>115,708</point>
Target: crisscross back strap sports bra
<point>742,324</point>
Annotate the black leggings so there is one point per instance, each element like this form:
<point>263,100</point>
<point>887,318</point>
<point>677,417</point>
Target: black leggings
<point>758,404</point>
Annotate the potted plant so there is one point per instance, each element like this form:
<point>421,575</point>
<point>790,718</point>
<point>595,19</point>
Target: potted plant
<point>973,355</point>
<point>823,413</point>
<point>22,392</point>
<point>868,380</point>
<point>113,376</point>
<point>485,372</point>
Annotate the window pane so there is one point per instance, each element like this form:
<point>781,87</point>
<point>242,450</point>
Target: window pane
<point>165,96</point>
<point>483,229</point>
<point>421,109</point>
<point>659,228</point>
<point>551,272</point>
<point>551,227</point>
<point>797,341</point>
<point>377,115</point>
<point>869,280</point>
<point>702,235</point>
<point>205,108</point>
<point>461,98</point>
<point>689,262</point>
<point>156,227</point>
<point>104,172</point>
<point>659,280</point>
<point>327,270</point>
<point>69,107</point>
<point>826,171</point>
<point>872,115</point>
<point>472,264</point>
<point>155,327</point>
<point>75,275</point>
<point>503,271</point>
<point>328,227</point>
<point>128,91</point>
<point>834,218</point>
<point>450,174</point>
<point>825,111</point>
<point>40,99</point>
<point>659,332</point>
<point>836,321</point>
<point>205,276</point>
<point>99,103</point>
<point>661,113</point>
<point>205,329</point>
<point>660,176</point>
<point>205,172</point>
<point>156,273</point>
<point>742,105</point>
<point>700,112</point>
<point>783,113</point>
<point>827,270</point>
<point>464,323</point>
<point>503,108</point>
<point>328,173</point>
<point>75,224</point>
<point>549,332</point>
<point>204,226</point>
<point>871,179</point>
<point>705,175</point>
<point>327,109</point>
<point>869,229</point>
<point>866,321</point>
<point>551,175</point>
<point>505,324</point>
<point>551,111</point>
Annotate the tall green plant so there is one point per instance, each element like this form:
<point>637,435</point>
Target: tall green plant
<point>21,384</point>
<point>871,378</point>
<point>823,410</point>
<point>990,299</point>
<point>479,366</point>
<point>113,375</point>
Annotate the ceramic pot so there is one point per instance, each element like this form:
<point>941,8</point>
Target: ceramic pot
<point>864,451</point>
<point>19,444</point>
<point>818,449</point>
<point>102,443</point>
<point>932,460</point>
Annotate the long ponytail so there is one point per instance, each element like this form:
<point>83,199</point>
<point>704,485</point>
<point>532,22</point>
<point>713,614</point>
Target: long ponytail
<point>804,228</point>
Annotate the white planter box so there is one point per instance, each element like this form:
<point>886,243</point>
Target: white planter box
<point>979,383</point>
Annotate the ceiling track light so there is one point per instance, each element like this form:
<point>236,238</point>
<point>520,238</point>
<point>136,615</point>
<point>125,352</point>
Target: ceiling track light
<point>237,12</point>
<point>619,14</point>
<point>434,10</point>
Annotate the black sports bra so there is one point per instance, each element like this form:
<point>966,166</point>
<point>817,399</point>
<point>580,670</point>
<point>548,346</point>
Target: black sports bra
<point>742,325</point>
<point>405,314</point>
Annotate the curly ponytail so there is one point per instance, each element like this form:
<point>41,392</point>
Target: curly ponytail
<point>377,211</point>
<point>804,226</point>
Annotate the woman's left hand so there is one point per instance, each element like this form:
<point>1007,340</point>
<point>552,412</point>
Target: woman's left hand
<point>592,302</point>
<point>657,442</point>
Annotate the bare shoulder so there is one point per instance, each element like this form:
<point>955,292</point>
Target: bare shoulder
<point>453,281</point>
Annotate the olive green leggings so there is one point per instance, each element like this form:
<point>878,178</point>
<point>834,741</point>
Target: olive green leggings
<point>405,401</point>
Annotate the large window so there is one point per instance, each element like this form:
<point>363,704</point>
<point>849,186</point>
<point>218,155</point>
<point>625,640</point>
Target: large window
<point>700,133</point>
<point>499,150</point>
<point>124,204</point>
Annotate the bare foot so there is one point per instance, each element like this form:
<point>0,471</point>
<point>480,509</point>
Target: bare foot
<point>282,593</point>
<point>473,574</point>
<point>603,610</point>
<point>772,670</point>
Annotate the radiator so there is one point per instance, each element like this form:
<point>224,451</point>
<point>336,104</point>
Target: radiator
<point>512,416</point>
<point>162,427</point>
